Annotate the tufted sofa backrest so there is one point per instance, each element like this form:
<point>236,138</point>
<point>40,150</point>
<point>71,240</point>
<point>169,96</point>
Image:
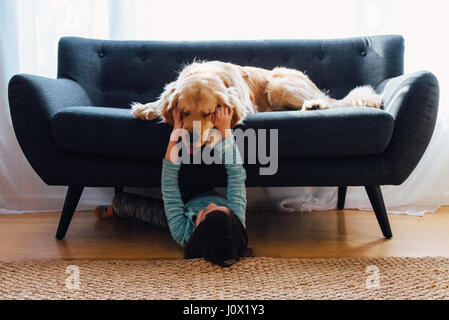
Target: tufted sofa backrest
<point>115,73</point>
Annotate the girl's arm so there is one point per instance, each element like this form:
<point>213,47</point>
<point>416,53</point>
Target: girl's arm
<point>174,207</point>
<point>236,190</point>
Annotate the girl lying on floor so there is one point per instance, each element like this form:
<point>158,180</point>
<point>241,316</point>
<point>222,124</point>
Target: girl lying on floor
<point>208,225</point>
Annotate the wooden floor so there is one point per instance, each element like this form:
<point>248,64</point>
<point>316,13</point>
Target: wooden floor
<point>318,234</point>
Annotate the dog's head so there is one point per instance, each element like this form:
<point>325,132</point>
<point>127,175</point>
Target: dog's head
<point>197,96</point>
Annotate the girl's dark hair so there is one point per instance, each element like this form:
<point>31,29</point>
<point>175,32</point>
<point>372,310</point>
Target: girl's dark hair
<point>220,239</point>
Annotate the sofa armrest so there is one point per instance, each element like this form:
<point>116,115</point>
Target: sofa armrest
<point>412,100</point>
<point>33,100</point>
<point>48,95</point>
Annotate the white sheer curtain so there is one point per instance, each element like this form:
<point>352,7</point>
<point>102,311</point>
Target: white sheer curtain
<point>30,29</point>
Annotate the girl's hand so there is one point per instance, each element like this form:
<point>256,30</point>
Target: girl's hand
<point>177,119</point>
<point>222,120</point>
<point>174,137</point>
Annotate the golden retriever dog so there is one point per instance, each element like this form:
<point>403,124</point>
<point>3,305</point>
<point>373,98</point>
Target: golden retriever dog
<point>202,86</point>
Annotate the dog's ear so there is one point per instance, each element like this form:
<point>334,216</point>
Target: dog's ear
<point>167,109</point>
<point>236,115</point>
<point>169,100</point>
<point>232,100</point>
<point>236,118</point>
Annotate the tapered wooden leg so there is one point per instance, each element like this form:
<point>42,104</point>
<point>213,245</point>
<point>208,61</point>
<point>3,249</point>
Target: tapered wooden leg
<point>377,201</point>
<point>341,197</point>
<point>70,203</point>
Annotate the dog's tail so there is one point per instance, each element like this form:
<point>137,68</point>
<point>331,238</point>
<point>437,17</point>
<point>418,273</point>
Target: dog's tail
<point>360,97</point>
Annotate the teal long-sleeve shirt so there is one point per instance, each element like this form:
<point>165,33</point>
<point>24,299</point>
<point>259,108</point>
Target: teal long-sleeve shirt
<point>180,215</point>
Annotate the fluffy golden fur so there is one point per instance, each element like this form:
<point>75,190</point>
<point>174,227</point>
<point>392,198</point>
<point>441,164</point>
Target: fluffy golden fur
<point>202,86</point>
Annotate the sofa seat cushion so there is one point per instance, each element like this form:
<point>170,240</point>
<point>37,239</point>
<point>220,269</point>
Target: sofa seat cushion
<point>311,134</point>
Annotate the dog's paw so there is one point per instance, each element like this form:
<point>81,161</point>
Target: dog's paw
<point>364,97</point>
<point>369,102</point>
<point>143,111</point>
<point>315,104</point>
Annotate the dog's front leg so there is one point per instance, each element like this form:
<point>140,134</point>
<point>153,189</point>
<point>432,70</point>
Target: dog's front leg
<point>148,111</point>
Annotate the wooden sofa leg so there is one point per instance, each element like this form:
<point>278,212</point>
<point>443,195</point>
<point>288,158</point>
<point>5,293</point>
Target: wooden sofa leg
<point>341,197</point>
<point>70,203</point>
<point>377,201</point>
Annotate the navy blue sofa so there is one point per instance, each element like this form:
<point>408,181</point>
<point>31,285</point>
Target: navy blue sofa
<point>77,130</point>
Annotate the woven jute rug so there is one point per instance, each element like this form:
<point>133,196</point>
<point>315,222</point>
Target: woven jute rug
<point>251,278</point>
